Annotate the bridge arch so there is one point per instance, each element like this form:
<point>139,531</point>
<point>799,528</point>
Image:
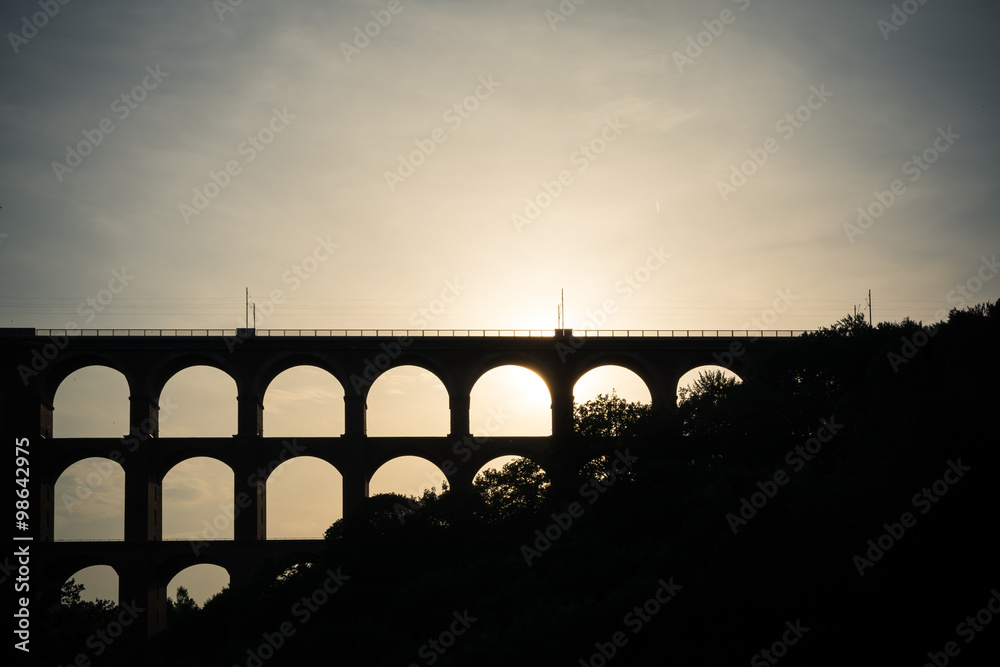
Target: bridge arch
<point>691,376</point>
<point>280,362</point>
<point>394,355</point>
<point>304,400</point>
<point>92,401</point>
<point>404,394</point>
<point>294,514</point>
<point>202,579</point>
<point>511,399</point>
<point>99,581</point>
<point>608,378</point>
<point>89,500</point>
<point>404,475</point>
<point>507,491</point>
<point>198,495</point>
<point>59,461</point>
<point>174,362</point>
<point>69,362</point>
<point>489,362</point>
<point>498,462</point>
<point>207,402</point>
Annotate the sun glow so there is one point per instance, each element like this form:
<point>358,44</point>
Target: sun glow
<point>510,400</point>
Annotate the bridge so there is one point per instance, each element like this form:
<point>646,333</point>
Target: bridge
<point>35,362</point>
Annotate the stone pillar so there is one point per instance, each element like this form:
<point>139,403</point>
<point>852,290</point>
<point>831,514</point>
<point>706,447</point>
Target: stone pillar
<point>355,416</point>
<point>462,476</point>
<point>459,402</point>
<point>250,500</point>
<point>355,490</point>
<point>143,496</point>
<point>139,591</point>
<point>354,471</point>
<point>242,570</point>
<point>664,398</point>
<point>250,416</point>
<point>44,514</point>
<point>45,420</point>
<point>562,411</point>
<point>144,417</point>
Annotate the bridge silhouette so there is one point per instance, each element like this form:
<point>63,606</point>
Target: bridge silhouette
<point>35,363</point>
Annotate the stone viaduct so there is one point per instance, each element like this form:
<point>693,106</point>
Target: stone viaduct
<point>35,362</point>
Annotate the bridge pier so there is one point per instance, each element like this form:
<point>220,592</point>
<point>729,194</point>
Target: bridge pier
<point>459,403</point>
<point>144,417</point>
<point>354,473</point>
<point>562,411</point>
<point>138,590</point>
<point>143,497</point>
<point>29,382</point>
<point>250,415</point>
<point>355,416</point>
<point>45,410</point>
<point>250,495</point>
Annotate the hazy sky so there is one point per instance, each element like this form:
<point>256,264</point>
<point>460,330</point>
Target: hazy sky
<point>692,163</point>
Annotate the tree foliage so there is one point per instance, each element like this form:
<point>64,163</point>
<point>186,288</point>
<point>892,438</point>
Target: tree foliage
<point>517,489</point>
<point>609,416</point>
<point>898,428</point>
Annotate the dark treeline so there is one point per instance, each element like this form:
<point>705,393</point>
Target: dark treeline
<point>839,506</point>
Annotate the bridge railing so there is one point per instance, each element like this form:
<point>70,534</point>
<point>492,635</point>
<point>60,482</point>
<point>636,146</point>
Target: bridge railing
<point>185,539</point>
<point>430,333</point>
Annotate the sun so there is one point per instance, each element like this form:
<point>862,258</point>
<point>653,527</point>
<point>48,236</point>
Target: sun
<point>528,387</point>
<point>511,400</point>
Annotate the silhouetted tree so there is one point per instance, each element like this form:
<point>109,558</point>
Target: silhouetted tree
<point>701,407</point>
<point>791,555</point>
<point>71,598</point>
<point>609,416</point>
<point>514,491</point>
